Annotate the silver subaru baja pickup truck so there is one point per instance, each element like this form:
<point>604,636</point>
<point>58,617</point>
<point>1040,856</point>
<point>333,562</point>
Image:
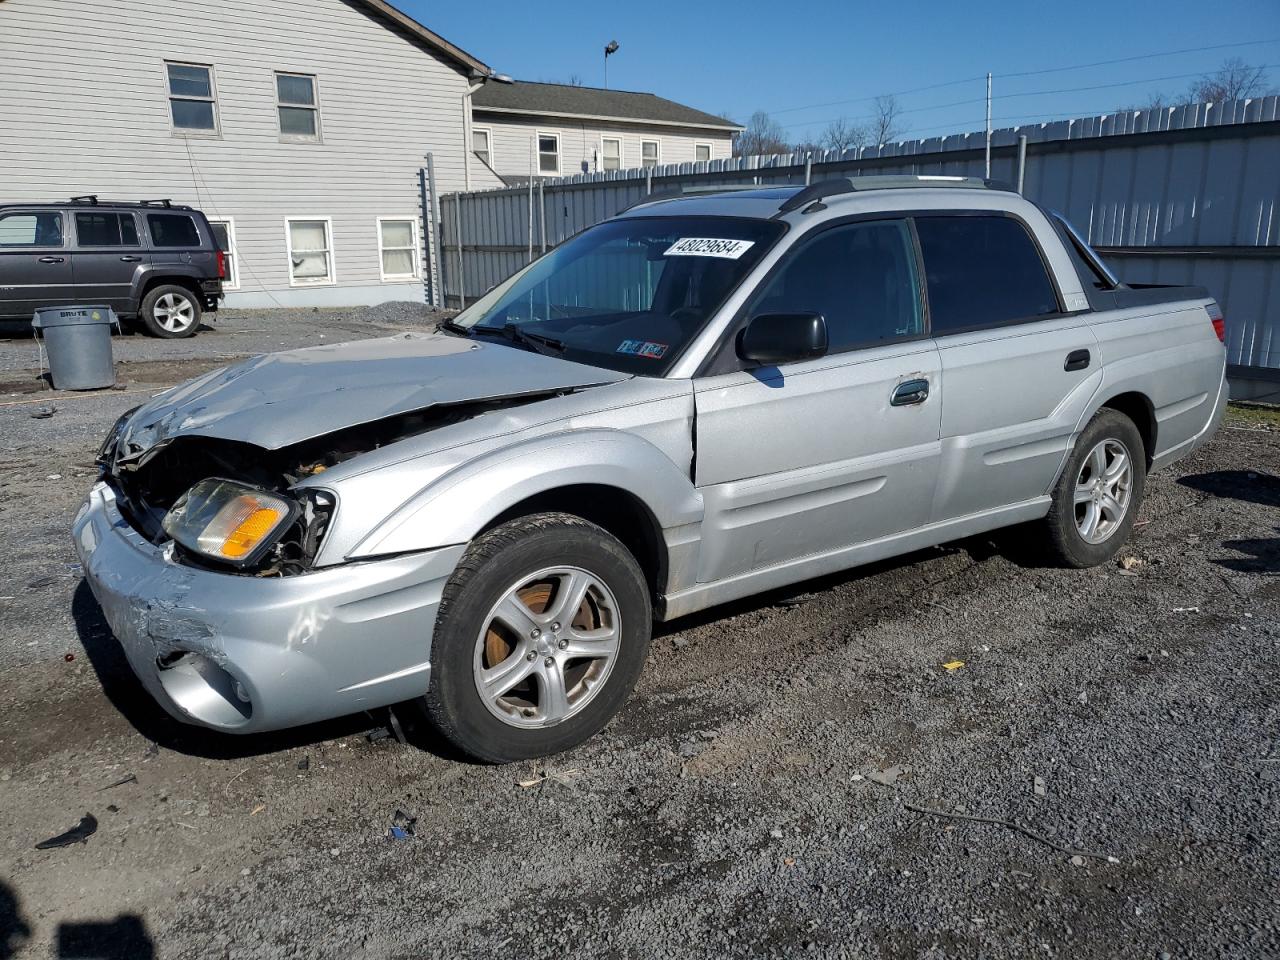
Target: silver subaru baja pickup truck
<point>697,400</point>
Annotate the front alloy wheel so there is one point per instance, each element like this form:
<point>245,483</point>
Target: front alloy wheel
<point>540,636</point>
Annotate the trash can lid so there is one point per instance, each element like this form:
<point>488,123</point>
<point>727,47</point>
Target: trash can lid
<point>47,317</point>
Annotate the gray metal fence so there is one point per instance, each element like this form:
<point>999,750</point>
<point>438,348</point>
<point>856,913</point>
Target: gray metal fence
<point>1181,195</point>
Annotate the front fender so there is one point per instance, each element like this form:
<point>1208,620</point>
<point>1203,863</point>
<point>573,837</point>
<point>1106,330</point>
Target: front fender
<point>459,504</point>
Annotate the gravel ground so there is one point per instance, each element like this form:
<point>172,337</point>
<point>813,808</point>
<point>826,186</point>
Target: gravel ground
<point>760,795</point>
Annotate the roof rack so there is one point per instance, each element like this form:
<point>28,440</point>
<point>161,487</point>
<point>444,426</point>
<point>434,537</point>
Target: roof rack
<point>815,192</point>
<point>93,200</point>
<point>689,190</point>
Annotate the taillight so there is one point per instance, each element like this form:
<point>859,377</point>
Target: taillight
<point>222,265</point>
<point>1216,318</point>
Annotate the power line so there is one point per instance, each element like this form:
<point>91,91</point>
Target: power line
<point>1028,73</point>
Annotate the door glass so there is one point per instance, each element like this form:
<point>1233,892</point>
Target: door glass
<point>31,229</point>
<point>982,271</point>
<point>860,277</point>
<point>106,230</point>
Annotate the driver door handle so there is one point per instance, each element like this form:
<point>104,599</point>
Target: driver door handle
<point>130,259</point>
<point>910,392</point>
<point>52,259</point>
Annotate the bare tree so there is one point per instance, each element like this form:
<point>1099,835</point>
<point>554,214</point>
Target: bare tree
<point>1234,80</point>
<point>763,135</point>
<point>886,124</point>
<point>575,80</point>
<point>841,135</point>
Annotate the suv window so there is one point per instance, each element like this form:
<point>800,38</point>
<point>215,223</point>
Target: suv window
<point>861,277</point>
<point>172,230</point>
<point>982,271</point>
<point>31,229</point>
<point>106,230</point>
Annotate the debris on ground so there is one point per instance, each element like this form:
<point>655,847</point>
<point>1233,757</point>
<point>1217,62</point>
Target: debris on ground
<point>889,776</point>
<point>131,778</point>
<point>1186,609</point>
<point>401,826</point>
<point>43,413</point>
<point>951,666</point>
<point>1018,828</point>
<point>80,833</point>
<point>305,763</point>
<point>562,777</point>
<point>1037,784</point>
<point>1129,563</point>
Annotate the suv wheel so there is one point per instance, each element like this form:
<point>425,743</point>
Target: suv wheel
<point>541,634</point>
<point>170,311</point>
<point>1098,495</point>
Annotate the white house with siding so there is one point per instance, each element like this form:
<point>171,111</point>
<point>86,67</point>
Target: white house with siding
<point>297,126</point>
<point>521,129</point>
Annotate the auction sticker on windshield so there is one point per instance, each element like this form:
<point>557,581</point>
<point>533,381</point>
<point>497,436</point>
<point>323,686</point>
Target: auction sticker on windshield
<point>643,348</point>
<point>709,247</point>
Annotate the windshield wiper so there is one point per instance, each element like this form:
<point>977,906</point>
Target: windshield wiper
<point>454,327</point>
<point>534,341</point>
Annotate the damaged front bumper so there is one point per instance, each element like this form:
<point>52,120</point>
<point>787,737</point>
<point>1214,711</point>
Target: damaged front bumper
<point>246,654</point>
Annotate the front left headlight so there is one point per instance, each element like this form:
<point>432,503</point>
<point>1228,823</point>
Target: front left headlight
<point>106,453</point>
<point>228,521</point>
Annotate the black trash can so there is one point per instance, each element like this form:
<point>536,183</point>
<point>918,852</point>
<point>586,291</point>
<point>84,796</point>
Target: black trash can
<point>78,340</point>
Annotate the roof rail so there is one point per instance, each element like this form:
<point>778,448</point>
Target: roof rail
<point>689,190</point>
<point>815,192</point>
<point>87,198</point>
<point>93,200</point>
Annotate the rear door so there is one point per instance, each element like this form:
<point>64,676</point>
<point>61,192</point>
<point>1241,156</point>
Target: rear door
<point>35,266</point>
<point>809,458</point>
<point>1017,367</point>
<point>107,258</point>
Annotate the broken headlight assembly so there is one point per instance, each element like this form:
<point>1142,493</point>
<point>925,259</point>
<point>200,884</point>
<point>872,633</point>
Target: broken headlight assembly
<point>229,522</point>
<point>107,451</point>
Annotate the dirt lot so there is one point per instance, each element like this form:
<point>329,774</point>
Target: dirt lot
<point>760,795</point>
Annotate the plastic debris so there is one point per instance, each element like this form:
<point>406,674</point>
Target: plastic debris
<point>1186,609</point>
<point>401,826</point>
<point>1129,562</point>
<point>953,665</point>
<point>1037,784</point>
<point>304,763</point>
<point>887,777</point>
<point>43,413</point>
<point>80,833</point>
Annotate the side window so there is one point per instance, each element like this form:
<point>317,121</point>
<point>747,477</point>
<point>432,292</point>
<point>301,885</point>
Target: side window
<point>172,230</point>
<point>981,272</point>
<point>31,228</point>
<point>861,277</point>
<point>106,230</point>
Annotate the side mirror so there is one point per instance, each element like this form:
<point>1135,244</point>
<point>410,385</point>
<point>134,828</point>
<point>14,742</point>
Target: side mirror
<point>774,338</point>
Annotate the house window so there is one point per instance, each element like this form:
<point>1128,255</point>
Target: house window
<point>192,103</point>
<point>298,106</point>
<point>398,244</point>
<point>481,146</point>
<point>106,230</point>
<point>549,153</point>
<point>610,154</point>
<point>310,251</point>
<point>224,234</point>
<point>650,153</point>
<point>701,152</point>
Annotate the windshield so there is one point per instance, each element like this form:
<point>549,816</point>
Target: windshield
<point>628,294</point>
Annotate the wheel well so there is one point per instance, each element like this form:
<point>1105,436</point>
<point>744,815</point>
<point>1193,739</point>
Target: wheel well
<point>621,513</point>
<point>1139,409</point>
<point>152,282</point>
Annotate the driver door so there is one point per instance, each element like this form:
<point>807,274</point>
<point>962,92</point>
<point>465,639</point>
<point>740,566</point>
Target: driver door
<point>809,459</point>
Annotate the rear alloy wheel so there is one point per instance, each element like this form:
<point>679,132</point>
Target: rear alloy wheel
<point>170,311</point>
<point>1098,495</point>
<point>541,634</point>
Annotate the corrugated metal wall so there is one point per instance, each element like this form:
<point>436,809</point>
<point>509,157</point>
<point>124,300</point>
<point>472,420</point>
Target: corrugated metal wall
<point>1183,195</point>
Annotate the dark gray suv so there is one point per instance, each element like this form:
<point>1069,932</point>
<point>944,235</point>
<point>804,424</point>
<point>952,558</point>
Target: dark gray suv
<point>154,260</point>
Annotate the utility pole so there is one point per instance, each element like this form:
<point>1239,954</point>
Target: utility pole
<point>988,126</point>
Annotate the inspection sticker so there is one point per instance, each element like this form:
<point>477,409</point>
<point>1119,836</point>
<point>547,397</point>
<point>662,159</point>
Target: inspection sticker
<point>643,348</point>
<point>709,247</point>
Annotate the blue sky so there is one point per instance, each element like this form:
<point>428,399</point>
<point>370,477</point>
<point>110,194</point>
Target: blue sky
<point>740,57</point>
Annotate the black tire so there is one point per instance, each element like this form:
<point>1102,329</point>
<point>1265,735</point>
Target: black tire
<point>1067,544</point>
<point>170,293</point>
<point>493,563</point>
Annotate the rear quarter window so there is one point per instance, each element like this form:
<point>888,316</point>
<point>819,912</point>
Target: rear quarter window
<point>172,230</point>
<point>982,271</point>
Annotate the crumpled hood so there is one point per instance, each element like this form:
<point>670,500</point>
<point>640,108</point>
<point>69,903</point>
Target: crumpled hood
<point>279,399</point>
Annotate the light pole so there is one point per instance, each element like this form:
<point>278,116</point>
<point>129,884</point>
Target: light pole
<point>610,48</point>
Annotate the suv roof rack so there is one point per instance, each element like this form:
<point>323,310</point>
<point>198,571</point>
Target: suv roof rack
<point>93,200</point>
<point>689,190</point>
<point>815,192</point>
